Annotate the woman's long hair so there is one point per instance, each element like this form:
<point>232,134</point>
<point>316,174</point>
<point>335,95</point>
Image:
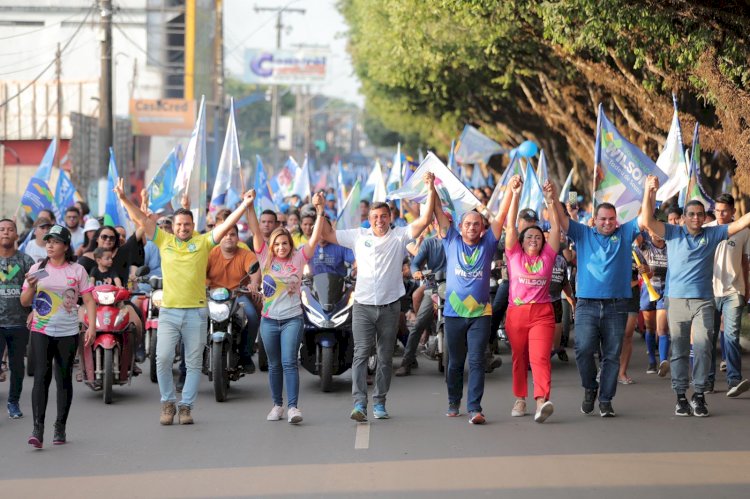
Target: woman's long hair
<point>70,257</point>
<point>523,234</point>
<point>278,232</point>
<point>94,243</point>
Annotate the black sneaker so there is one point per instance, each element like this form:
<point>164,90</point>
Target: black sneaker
<point>562,355</point>
<point>699,405</point>
<point>683,406</point>
<point>36,439</point>
<point>606,410</point>
<point>734,391</point>
<point>587,407</point>
<point>59,438</point>
<point>651,368</point>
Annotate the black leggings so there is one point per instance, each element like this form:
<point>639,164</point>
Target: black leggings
<point>63,351</point>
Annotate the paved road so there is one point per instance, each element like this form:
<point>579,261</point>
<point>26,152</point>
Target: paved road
<point>121,450</point>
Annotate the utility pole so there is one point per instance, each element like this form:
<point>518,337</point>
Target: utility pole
<point>275,88</point>
<point>106,134</point>
<point>58,77</point>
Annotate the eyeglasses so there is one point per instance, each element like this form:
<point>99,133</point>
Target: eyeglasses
<point>105,237</point>
<point>694,215</point>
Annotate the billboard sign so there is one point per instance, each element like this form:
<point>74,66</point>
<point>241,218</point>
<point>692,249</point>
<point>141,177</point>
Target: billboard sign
<point>162,117</point>
<point>285,67</point>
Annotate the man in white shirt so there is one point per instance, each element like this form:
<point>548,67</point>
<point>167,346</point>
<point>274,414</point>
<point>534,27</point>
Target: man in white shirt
<point>36,248</point>
<point>379,252</point>
<point>73,223</point>
<point>730,294</point>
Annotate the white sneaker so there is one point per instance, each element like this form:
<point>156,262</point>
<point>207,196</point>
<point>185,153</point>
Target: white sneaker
<point>276,413</point>
<point>544,412</point>
<point>519,409</point>
<point>295,415</point>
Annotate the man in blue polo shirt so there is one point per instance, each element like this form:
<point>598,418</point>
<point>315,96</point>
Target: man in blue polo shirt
<point>690,307</point>
<point>331,259</point>
<point>603,291</point>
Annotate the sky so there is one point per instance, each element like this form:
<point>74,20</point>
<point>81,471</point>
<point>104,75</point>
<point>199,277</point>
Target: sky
<point>321,24</point>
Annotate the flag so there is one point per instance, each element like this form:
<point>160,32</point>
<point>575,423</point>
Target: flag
<point>38,197</point>
<point>195,168</point>
<point>620,170</point>
<point>473,146</point>
<point>532,195</point>
<point>672,161</point>
<point>322,182</point>
<point>161,188</point>
<point>375,184</point>
<point>113,211</point>
<point>282,184</point>
<point>228,188</point>
<point>349,216</point>
<point>456,198</point>
<point>477,178</point>
<point>565,191</point>
<point>394,177</point>
<point>726,184</point>
<point>263,196</point>
<point>542,172</point>
<point>302,181</point>
<point>44,170</point>
<point>695,188</point>
<point>340,187</point>
<point>65,192</point>
<point>514,168</point>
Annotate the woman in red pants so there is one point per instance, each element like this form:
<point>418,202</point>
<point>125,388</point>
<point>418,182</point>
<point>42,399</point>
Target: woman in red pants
<point>530,320</point>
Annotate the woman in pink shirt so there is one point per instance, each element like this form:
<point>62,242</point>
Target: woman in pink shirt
<point>530,320</point>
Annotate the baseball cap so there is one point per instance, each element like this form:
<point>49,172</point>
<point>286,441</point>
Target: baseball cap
<point>43,222</point>
<point>528,214</point>
<point>91,224</point>
<point>330,197</point>
<point>60,233</point>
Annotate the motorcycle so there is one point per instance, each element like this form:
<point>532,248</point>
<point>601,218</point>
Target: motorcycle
<point>150,311</point>
<point>436,348</point>
<point>110,360</point>
<point>327,345</point>
<point>226,321</point>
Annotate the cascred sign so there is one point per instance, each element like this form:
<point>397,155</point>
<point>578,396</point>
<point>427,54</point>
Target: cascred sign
<point>162,117</point>
<point>284,67</point>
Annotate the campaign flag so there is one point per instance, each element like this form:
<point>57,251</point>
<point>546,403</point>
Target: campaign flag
<point>282,184</point>
<point>513,168</point>
<point>114,213</point>
<point>672,161</point>
<point>322,183</point>
<point>620,170</point>
<point>532,195</point>
<point>302,181</point>
<point>340,187</point>
<point>349,216</point>
<point>263,197</point>
<point>373,183</point>
<point>228,188</point>
<point>455,197</point>
<point>196,169</point>
<point>161,188</point>
<point>695,188</point>
<point>473,146</point>
<point>726,184</point>
<point>38,197</point>
<point>477,178</point>
<point>567,186</point>
<point>65,192</point>
<point>44,170</point>
<point>542,172</point>
<point>394,177</point>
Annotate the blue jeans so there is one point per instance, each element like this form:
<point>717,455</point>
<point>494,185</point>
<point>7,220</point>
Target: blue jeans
<point>463,334</point>
<point>247,338</point>
<point>600,324</point>
<point>190,324</point>
<point>281,339</point>
<point>731,308</point>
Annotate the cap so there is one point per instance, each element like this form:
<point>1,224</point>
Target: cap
<point>91,224</point>
<point>60,233</point>
<point>330,197</point>
<point>43,222</point>
<point>164,220</point>
<point>528,214</point>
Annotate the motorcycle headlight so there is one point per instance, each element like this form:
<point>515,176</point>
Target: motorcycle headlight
<point>105,298</point>
<point>219,312</point>
<point>156,297</point>
<point>441,290</point>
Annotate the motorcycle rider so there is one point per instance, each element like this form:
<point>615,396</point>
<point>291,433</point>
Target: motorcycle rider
<point>228,267</point>
<point>331,258</point>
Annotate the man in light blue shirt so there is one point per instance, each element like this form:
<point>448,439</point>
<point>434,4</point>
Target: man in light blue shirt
<point>689,290</point>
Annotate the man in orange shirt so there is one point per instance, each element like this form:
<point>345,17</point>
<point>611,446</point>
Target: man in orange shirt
<point>228,267</point>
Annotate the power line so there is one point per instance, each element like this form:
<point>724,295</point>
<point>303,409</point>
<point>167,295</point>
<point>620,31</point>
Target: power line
<point>31,32</point>
<point>75,33</point>
<point>144,51</point>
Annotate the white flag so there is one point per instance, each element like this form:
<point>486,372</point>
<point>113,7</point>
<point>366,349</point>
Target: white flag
<point>228,188</point>
<point>195,169</point>
<point>672,161</point>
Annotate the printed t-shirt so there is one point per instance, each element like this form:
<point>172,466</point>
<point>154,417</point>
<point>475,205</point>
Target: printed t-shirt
<point>55,303</point>
<point>727,269</point>
<point>559,276</point>
<point>691,260</point>
<point>656,259</point>
<point>227,273</point>
<point>100,277</point>
<point>282,280</point>
<point>183,265</point>
<point>530,276</point>
<point>468,275</point>
<point>12,274</point>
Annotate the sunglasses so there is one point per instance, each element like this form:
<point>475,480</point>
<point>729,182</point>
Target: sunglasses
<point>107,238</point>
<point>210,226</point>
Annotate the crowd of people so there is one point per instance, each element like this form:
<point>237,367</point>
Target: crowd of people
<point>687,277</point>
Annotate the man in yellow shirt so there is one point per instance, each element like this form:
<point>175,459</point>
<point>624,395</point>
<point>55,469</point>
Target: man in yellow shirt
<point>184,259</point>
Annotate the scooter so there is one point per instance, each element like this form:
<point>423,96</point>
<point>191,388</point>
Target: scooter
<point>150,310</point>
<point>436,348</point>
<point>110,360</point>
<point>327,345</point>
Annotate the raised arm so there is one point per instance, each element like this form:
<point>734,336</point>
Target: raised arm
<point>135,213</point>
<point>319,203</point>
<point>562,217</point>
<point>739,224</point>
<point>550,193</point>
<point>648,219</point>
<point>220,230</point>
<point>418,225</point>
<point>511,232</point>
<point>499,220</point>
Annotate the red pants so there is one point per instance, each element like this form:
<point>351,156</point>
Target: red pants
<point>531,329</point>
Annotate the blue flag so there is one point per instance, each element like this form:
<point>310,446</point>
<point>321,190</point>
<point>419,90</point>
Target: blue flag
<point>65,192</point>
<point>695,188</point>
<point>112,208</point>
<point>45,167</point>
<point>531,194</point>
<point>263,196</point>
<point>473,146</point>
<point>161,188</point>
<point>38,197</point>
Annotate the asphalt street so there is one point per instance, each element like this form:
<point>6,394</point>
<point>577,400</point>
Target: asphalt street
<point>232,451</point>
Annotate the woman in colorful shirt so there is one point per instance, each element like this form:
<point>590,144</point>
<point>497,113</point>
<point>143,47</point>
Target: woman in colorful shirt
<point>654,258</point>
<point>54,327</point>
<point>530,320</point>
<point>281,323</point>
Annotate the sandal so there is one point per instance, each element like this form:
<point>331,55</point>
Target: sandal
<point>626,381</point>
